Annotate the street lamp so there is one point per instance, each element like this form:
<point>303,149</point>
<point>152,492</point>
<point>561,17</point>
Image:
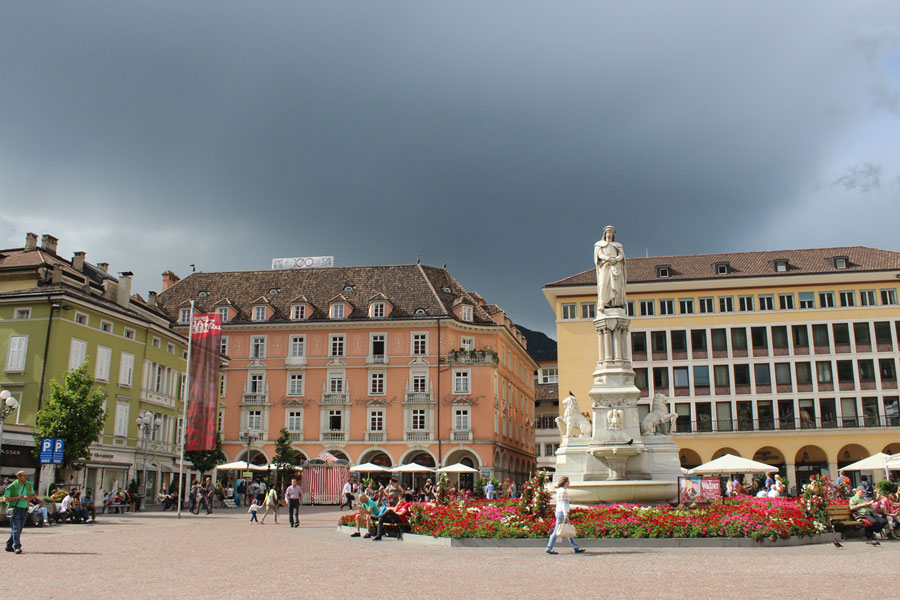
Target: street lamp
<point>7,405</point>
<point>147,425</point>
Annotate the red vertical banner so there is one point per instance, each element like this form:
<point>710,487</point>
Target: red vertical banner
<point>206,335</point>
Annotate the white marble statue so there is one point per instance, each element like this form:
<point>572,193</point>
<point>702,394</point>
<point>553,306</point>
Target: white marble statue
<point>609,258</point>
<point>572,420</point>
<point>659,419</point>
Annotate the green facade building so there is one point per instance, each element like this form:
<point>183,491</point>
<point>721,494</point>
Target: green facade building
<point>55,314</point>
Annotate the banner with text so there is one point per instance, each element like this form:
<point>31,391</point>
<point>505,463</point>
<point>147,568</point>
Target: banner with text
<point>206,335</point>
<point>303,262</point>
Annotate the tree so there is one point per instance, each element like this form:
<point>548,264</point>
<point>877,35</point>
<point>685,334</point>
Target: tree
<point>205,460</point>
<point>284,455</point>
<point>74,412</point>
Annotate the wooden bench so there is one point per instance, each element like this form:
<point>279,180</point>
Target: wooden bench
<point>842,519</point>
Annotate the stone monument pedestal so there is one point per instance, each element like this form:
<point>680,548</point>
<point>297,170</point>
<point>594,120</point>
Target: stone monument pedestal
<point>623,459</point>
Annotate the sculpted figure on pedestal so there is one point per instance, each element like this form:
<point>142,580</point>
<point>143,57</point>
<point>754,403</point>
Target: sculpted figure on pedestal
<point>659,419</point>
<point>609,258</point>
<point>572,420</point>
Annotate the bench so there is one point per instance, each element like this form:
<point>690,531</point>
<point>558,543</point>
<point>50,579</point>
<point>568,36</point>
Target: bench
<point>842,519</point>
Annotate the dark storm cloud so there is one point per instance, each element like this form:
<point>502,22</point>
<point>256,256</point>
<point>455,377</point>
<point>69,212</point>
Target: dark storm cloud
<point>500,137</point>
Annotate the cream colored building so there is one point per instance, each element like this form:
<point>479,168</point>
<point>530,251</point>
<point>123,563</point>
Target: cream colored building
<point>789,357</point>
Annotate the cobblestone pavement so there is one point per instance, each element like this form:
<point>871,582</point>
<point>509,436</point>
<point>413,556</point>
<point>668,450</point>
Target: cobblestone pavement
<point>155,555</point>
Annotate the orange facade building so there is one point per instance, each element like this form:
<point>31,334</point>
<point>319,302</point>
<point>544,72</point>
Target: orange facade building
<point>383,364</point>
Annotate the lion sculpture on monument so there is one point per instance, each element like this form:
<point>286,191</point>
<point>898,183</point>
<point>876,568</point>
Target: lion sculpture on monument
<point>572,420</point>
<point>659,419</point>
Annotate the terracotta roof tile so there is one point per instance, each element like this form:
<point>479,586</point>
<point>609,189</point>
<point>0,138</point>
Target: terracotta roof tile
<point>748,264</point>
<point>408,288</point>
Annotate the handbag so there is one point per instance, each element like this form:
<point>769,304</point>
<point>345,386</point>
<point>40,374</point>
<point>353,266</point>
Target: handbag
<point>10,511</point>
<point>565,530</point>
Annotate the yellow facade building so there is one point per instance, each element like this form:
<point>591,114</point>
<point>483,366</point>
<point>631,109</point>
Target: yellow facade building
<point>787,357</point>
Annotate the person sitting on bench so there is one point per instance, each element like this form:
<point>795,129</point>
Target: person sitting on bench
<point>861,509</point>
<point>395,516</point>
<point>367,508</point>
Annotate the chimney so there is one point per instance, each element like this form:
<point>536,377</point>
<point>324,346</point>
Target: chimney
<point>103,267</point>
<point>151,298</point>
<point>169,279</point>
<point>48,243</point>
<point>30,241</point>
<point>78,261</point>
<point>123,295</point>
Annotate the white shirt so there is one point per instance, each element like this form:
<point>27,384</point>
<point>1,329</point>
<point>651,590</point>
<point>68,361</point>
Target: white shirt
<point>348,489</point>
<point>562,501</point>
<point>67,502</point>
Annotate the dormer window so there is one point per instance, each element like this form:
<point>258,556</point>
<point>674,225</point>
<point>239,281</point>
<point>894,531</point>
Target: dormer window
<point>298,312</point>
<point>723,268</point>
<point>223,313</point>
<point>466,314</point>
<point>840,262</point>
<point>378,310</point>
<point>781,265</point>
<point>420,312</point>
<point>259,313</point>
<point>663,271</point>
<point>184,315</point>
<point>338,310</point>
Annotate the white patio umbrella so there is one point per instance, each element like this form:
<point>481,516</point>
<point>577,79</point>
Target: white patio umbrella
<point>730,463</point>
<point>411,468</point>
<point>876,462</point>
<point>457,468</point>
<point>241,465</point>
<point>893,462</point>
<point>368,468</point>
<point>274,467</point>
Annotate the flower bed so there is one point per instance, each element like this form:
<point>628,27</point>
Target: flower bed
<point>756,518</point>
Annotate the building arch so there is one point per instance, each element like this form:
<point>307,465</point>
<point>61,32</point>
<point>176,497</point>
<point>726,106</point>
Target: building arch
<point>300,457</point>
<point>689,458</point>
<point>723,451</point>
<point>810,460</point>
<point>377,456</point>
<point>451,456</point>
<point>892,448</point>
<point>850,454</point>
<point>257,457</point>
<point>418,455</point>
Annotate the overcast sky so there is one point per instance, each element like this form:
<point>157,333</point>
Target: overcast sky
<point>497,136</point>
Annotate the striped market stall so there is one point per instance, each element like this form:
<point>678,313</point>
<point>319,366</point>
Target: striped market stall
<point>323,480</point>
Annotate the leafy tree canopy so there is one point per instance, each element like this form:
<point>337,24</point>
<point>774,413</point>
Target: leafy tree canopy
<point>74,412</point>
<point>206,460</point>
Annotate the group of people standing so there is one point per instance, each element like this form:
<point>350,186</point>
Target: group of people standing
<point>270,502</point>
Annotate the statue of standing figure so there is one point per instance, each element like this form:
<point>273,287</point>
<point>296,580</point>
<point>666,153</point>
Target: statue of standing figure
<point>609,258</point>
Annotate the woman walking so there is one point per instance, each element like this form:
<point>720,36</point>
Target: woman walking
<point>562,516</point>
<point>271,505</point>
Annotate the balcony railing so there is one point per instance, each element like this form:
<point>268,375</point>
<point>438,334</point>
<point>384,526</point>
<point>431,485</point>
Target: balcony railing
<point>377,359</point>
<point>157,398</point>
<point>460,436</point>
<point>295,361</point>
<point>375,436</point>
<point>476,357</point>
<point>339,398</point>
<point>296,436</point>
<point>417,436</point>
<point>784,424</point>
<point>418,397</point>
<point>334,436</point>
<point>255,398</point>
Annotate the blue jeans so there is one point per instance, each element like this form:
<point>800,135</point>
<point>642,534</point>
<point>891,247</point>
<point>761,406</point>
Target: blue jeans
<point>16,524</point>
<point>560,518</point>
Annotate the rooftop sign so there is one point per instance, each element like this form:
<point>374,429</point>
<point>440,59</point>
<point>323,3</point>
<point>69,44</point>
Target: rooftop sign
<point>303,262</point>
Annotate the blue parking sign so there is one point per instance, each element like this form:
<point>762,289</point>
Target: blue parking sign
<point>47,450</point>
<point>58,445</point>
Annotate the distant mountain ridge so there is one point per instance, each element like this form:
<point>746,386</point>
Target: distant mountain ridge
<point>540,346</point>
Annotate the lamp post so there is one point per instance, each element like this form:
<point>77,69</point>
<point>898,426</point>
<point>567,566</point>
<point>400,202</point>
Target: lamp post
<point>251,435</point>
<point>147,425</point>
<point>8,405</point>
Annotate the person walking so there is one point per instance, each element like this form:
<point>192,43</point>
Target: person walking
<point>293,494</point>
<point>348,496</point>
<point>271,506</point>
<point>253,508</point>
<point>18,494</point>
<point>562,516</point>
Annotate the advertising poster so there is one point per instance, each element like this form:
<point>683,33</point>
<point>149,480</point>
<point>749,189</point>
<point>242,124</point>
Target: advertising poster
<point>206,334</point>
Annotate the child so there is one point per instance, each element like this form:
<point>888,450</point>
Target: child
<point>253,508</point>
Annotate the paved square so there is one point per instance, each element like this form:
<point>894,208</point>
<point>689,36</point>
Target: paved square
<point>155,555</point>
